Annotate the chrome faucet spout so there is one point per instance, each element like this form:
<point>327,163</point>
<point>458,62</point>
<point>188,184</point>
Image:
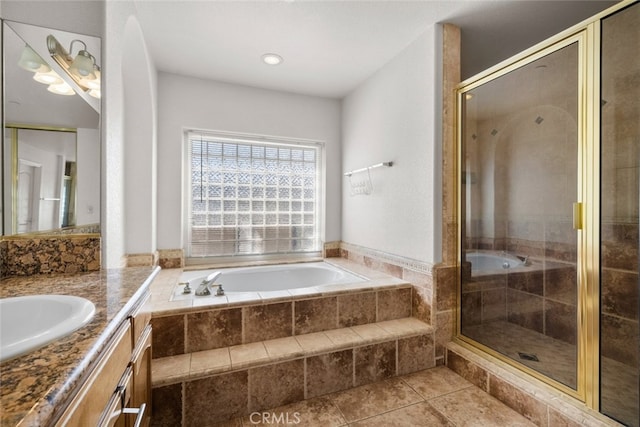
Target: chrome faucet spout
<point>205,286</point>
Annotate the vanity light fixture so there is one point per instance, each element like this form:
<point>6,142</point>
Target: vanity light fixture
<point>82,69</point>
<point>31,61</point>
<point>272,59</point>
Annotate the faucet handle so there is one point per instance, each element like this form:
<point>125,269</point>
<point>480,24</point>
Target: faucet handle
<point>220,291</point>
<point>187,288</point>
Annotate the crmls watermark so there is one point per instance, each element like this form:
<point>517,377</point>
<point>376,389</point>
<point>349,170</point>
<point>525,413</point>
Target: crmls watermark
<point>275,418</point>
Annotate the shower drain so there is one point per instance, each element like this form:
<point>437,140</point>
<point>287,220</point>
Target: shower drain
<point>528,356</point>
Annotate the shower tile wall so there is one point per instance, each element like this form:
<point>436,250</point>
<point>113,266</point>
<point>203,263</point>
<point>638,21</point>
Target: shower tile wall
<point>519,197</point>
<point>521,179</point>
<point>544,302</point>
<point>620,193</point>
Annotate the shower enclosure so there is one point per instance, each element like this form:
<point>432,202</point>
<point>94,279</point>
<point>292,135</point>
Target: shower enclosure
<point>549,149</point>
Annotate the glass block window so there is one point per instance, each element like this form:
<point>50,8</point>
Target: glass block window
<point>252,197</point>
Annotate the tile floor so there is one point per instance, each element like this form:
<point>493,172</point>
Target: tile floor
<point>557,360</point>
<point>433,397</point>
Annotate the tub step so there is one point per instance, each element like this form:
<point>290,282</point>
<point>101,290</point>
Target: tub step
<point>249,377</point>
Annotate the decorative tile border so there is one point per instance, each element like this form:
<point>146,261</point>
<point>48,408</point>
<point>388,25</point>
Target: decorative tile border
<point>411,264</point>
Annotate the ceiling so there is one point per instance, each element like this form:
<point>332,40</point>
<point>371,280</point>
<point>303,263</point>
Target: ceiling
<point>330,47</point>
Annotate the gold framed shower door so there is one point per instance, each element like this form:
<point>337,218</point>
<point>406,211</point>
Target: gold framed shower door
<point>485,229</point>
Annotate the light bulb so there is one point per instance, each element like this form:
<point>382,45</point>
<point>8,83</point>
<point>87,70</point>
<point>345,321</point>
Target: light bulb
<point>61,89</point>
<point>95,93</point>
<point>272,59</point>
<point>50,78</point>
<point>82,66</point>
<point>92,83</point>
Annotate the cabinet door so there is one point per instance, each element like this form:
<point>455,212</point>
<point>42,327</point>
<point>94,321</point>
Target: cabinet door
<point>113,415</point>
<point>141,393</point>
<point>88,406</point>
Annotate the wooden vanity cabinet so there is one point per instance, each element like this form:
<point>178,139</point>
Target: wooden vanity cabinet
<point>119,388</point>
<point>141,360</point>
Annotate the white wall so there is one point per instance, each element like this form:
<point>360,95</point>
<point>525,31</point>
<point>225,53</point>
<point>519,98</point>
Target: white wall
<point>185,102</point>
<point>116,136</point>
<point>77,16</point>
<point>395,116</point>
<point>112,215</point>
<point>140,142</point>
<point>88,163</point>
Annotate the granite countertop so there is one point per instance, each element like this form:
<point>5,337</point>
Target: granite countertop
<point>36,387</point>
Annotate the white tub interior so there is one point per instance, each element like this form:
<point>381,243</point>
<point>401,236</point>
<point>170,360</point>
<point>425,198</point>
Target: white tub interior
<point>271,278</point>
<point>490,261</point>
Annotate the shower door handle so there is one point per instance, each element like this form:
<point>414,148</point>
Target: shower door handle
<point>577,216</point>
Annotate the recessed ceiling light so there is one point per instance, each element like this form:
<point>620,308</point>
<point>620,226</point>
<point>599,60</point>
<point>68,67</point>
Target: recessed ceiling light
<point>272,59</point>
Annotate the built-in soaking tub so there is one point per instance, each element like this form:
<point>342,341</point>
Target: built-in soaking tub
<point>490,262</point>
<point>270,278</point>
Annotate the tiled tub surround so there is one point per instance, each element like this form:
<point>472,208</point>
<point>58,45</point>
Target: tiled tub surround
<point>205,323</point>
<point>37,387</point>
<point>273,348</point>
<point>46,254</point>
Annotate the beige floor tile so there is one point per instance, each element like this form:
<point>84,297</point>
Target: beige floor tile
<point>371,332</point>
<point>213,302</point>
<point>344,337</point>
<point>170,307</point>
<point>316,412</point>
<point>315,342</point>
<point>209,361</point>
<point>236,422</point>
<point>243,297</point>
<point>167,368</point>
<point>417,415</point>
<point>407,326</point>
<point>436,382</point>
<point>283,348</point>
<point>247,354</point>
<point>473,407</point>
<point>372,399</point>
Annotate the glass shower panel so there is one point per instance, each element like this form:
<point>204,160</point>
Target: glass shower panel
<point>519,248</point>
<point>620,151</point>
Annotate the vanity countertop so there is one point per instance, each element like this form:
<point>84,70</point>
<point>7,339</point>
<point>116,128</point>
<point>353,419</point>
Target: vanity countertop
<point>35,388</point>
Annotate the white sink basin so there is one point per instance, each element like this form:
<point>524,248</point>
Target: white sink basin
<point>30,322</point>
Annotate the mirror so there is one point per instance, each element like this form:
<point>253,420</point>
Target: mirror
<point>51,141</point>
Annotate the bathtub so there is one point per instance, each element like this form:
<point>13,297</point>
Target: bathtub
<point>270,278</point>
<point>485,262</point>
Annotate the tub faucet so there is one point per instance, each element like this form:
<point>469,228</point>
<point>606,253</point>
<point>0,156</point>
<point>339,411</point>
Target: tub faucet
<point>204,287</point>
